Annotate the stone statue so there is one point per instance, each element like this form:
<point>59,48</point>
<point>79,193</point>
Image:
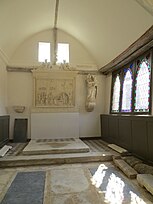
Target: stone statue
<point>91,92</point>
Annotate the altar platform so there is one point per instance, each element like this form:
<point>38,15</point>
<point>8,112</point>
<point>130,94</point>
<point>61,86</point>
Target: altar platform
<point>55,146</point>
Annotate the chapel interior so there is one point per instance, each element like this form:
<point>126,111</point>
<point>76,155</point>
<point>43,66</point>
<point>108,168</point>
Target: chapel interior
<point>76,101</point>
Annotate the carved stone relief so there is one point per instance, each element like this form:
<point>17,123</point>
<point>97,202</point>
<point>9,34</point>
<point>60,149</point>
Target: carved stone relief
<point>54,93</point>
<point>54,88</point>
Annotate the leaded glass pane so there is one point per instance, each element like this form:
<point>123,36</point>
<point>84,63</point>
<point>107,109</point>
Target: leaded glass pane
<point>142,91</point>
<point>116,95</point>
<point>127,92</point>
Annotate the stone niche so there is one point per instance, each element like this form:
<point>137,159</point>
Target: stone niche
<point>54,90</point>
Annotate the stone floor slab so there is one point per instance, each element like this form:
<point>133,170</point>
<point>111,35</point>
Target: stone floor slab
<point>146,180</point>
<point>73,181</point>
<point>87,197</point>
<point>118,149</point>
<point>26,188</point>
<point>62,199</point>
<point>115,188</point>
<point>4,150</point>
<point>70,182</point>
<point>5,176</point>
<point>84,191</point>
<point>126,168</point>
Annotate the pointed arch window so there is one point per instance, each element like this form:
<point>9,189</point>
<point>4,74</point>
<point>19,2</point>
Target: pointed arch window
<point>131,86</point>
<point>127,92</point>
<point>116,94</point>
<point>142,86</point>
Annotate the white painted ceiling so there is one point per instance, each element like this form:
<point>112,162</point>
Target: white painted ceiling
<point>105,27</point>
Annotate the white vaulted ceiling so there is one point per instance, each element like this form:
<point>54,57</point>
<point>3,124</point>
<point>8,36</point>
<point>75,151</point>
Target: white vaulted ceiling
<point>105,27</point>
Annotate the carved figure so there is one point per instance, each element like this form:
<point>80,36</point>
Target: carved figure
<point>46,65</point>
<point>66,66</point>
<point>61,99</point>
<point>91,92</point>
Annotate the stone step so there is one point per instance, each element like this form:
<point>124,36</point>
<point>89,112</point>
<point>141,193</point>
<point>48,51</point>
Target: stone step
<point>146,180</point>
<point>55,151</point>
<point>4,150</point>
<point>126,168</point>
<point>14,161</point>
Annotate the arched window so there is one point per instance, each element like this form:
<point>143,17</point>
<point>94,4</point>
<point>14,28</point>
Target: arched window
<point>142,87</point>
<point>131,86</point>
<point>127,92</point>
<point>116,94</point>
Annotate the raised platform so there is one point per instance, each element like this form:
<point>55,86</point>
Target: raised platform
<point>55,146</point>
<point>33,160</point>
<point>36,153</point>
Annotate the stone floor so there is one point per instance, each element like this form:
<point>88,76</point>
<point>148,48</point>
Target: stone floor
<point>77,183</point>
<point>74,184</point>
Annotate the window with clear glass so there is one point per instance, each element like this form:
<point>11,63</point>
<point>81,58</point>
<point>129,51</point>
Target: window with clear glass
<point>44,52</point>
<point>116,95</point>
<point>63,53</point>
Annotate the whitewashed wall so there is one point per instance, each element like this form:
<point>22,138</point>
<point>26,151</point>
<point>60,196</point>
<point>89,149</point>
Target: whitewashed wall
<point>20,84</point>
<point>20,92</point>
<point>27,53</point>
<point>20,88</point>
<point>3,88</point>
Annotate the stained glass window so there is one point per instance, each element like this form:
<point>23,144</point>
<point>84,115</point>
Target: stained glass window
<point>131,86</point>
<point>127,92</point>
<point>142,86</point>
<point>116,95</point>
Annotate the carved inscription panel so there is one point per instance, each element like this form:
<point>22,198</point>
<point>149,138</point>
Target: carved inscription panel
<point>54,92</point>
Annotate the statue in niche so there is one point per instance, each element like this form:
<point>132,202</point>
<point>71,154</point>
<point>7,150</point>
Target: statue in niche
<point>91,92</point>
